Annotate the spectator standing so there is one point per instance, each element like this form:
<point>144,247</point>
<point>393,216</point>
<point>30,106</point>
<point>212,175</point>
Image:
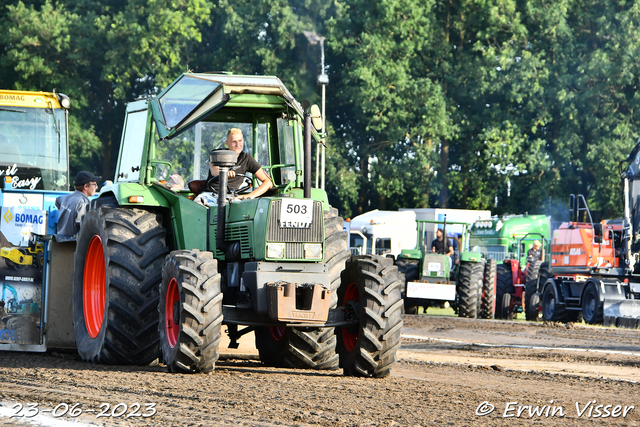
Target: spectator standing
<point>73,206</point>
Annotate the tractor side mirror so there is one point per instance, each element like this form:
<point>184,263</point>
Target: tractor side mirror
<point>316,117</point>
<point>597,239</point>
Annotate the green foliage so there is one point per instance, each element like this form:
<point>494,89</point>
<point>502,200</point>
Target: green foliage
<point>84,147</point>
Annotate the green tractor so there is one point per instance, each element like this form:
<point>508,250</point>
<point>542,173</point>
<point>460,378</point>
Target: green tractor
<point>157,275</point>
<point>468,285</point>
<point>506,240</point>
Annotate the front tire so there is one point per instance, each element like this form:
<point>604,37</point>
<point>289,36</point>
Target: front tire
<point>488,290</point>
<point>504,285</point>
<point>535,312</point>
<point>552,309</point>
<point>537,274</point>
<point>469,286</point>
<point>190,312</point>
<point>505,307</point>
<point>117,270</point>
<point>411,270</point>
<point>306,348</point>
<point>370,291</point>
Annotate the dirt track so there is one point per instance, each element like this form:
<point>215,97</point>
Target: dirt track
<point>436,382</point>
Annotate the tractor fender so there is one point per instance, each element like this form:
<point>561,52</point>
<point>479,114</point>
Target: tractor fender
<point>113,199</point>
<point>105,199</point>
<point>410,254</point>
<point>121,194</point>
<point>597,286</point>
<point>471,256</point>
<point>552,282</point>
<point>609,290</point>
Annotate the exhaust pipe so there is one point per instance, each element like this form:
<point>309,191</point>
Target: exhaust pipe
<point>306,193</point>
<point>628,227</point>
<point>224,160</point>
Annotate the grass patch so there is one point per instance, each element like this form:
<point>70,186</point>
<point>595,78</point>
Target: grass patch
<point>448,312</point>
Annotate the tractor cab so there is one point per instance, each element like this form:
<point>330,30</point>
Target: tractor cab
<point>581,244</point>
<point>194,114</point>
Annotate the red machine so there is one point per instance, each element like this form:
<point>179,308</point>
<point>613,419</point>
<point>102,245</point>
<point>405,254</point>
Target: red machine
<point>514,285</point>
<point>579,244</point>
<point>586,258</point>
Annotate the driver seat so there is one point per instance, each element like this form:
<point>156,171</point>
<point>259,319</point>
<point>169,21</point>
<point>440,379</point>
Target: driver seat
<point>196,186</point>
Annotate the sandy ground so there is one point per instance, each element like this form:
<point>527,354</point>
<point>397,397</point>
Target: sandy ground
<point>449,371</point>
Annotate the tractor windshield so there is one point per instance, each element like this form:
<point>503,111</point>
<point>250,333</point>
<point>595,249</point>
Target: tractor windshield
<point>499,253</point>
<point>184,97</point>
<point>33,148</point>
<point>188,153</point>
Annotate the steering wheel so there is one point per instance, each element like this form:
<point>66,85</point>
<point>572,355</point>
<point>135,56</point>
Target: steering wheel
<point>213,183</point>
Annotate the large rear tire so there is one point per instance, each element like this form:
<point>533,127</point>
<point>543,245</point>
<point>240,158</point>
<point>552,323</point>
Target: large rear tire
<point>505,307</point>
<point>552,309</point>
<point>370,291</point>
<point>190,312</point>
<point>272,343</point>
<point>504,284</point>
<point>537,275</point>
<point>411,270</point>
<point>310,348</point>
<point>117,269</point>
<point>536,307</point>
<point>592,307</point>
<point>469,286</point>
<point>488,290</point>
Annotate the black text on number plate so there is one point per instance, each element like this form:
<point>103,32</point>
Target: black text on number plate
<point>296,213</point>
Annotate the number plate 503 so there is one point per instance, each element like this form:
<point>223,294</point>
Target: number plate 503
<point>296,213</point>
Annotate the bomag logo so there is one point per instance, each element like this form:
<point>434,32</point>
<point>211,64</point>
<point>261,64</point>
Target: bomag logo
<point>29,219</point>
<point>575,251</point>
<point>4,97</point>
<point>8,217</point>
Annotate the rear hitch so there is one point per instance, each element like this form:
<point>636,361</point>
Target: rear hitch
<point>235,334</point>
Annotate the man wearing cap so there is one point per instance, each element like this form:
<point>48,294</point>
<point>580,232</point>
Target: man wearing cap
<point>73,206</point>
<point>535,253</point>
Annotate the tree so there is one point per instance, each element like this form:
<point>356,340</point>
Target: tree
<point>384,95</point>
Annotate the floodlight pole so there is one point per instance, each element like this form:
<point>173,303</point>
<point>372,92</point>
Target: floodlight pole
<point>323,145</point>
<point>323,79</point>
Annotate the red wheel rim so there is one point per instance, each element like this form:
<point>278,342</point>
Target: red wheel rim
<point>172,326</point>
<point>350,340</point>
<point>93,288</point>
<point>277,332</point>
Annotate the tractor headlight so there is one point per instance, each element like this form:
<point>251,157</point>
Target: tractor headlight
<point>313,251</point>
<point>275,250</point>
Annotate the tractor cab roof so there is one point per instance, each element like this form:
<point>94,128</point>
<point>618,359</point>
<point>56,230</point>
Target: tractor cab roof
<point>192,97</point>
